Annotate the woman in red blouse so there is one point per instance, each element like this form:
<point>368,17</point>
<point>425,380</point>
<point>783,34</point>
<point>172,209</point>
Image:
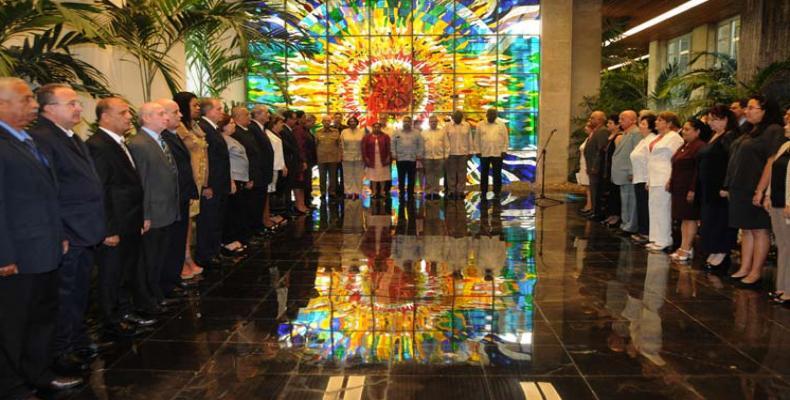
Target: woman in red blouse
<point>682,185</point>
<point>377,157</point>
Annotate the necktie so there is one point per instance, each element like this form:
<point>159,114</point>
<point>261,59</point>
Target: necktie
<point>128,153</point>
<point>31,145</point>
<point>77,143</point>
<point>166,149</point>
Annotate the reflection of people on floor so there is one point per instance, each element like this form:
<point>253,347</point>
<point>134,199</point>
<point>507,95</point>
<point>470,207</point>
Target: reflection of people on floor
<point>643,315</point>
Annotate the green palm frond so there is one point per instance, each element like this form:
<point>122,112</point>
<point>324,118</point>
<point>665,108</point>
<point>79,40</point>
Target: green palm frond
<point>35,41</point>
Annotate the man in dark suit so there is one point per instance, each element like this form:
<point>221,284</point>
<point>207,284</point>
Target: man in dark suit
<point>31,245</point>
<point>738,107</point>
<point>117,256</point>
<point>215,195</point>
<point>80,196</point>
<point>259,118</point>
<point>260,175</point>
<point>159,176</point>
<point>592,155</point>
<point>174,262</point>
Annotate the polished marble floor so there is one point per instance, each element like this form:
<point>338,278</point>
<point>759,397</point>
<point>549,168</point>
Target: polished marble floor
<point>456,300</point>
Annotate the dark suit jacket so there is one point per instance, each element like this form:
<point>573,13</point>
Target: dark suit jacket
<point>123,190</point>
<point>186,182</point>
<point>592,151</point>
<point>254,155</point>
<point>218,159</point>
<point>30,223</point>
<point>267,153</point>
<point>159,179</point>
<point>80,190</point>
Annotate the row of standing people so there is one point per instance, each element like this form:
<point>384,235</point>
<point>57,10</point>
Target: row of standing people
<point>349,153</point>
<point>128,204</point>
<point>717,175</point>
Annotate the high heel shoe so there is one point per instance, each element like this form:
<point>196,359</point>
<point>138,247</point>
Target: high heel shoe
<point>756,285</point>
<point>682,255</point>
<point>775,294</point>
<point>723,266</point>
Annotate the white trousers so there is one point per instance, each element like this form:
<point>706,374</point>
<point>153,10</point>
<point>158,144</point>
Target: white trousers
<point>659,205</point>
<point>352,177</point>
<point>782,233</point>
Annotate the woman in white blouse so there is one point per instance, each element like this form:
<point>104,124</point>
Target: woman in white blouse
<point>659,168</point>
<point>352,158</point>
<point>638,156</point>
<point>273,129</point>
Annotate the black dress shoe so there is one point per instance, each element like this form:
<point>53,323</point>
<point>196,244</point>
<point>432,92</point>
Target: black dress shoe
<point>70,364</point>
<point>139,320</point>
<point>177,293</point>
<point>154,311</point>
<point>121,329</point>
<point>188,284</point>
<point>170,302</point>
<point>87,354</point>
<point>63,383</point>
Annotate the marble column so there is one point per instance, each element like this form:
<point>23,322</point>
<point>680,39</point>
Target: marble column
<point>570,70</point>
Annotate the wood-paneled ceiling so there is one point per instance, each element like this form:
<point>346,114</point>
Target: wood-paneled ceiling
<point>639,11</point>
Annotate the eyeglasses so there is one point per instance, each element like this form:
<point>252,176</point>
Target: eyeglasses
<point>753,108</point>
<point>73,103</point>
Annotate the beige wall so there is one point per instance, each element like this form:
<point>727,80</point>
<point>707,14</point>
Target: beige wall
<point>123,77</point>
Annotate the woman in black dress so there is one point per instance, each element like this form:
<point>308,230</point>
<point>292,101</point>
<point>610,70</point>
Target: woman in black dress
<point>746,212</point>
<point>718,238</point>
<point>682,186</point>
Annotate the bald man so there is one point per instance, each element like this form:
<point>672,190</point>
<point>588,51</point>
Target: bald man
<point>31,246</point>
<point>622,171</point>
<point>174,261</point>
<point>592,154</point>
<point>159,176</point>
<point>117,256</point>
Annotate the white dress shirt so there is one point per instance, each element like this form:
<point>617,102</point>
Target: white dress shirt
<point>435,144</point>
<point>639,159</point>
<point>491,139</point>
<point>459,137</point>
<point>119,139</point>
<point>210,122</point>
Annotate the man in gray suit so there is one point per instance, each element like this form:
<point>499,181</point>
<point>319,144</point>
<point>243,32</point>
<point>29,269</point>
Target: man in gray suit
<point>159,176</point>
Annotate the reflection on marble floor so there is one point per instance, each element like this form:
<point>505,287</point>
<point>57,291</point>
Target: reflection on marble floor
<point>456,300</point>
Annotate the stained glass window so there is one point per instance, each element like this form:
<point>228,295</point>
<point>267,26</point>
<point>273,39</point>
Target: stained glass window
<point>411,58</point>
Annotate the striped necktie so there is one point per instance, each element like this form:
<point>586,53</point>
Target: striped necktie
<point>168,154</point>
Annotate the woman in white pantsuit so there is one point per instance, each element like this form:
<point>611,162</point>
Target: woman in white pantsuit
<point>659,169</point>
<point>352,158</point>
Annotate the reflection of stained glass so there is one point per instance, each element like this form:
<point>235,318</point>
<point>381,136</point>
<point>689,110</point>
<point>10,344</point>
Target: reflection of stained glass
<point>434,298</point>
<point>410,57</point>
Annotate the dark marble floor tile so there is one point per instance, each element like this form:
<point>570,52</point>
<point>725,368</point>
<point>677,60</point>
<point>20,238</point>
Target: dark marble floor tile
<point>222,291</point>
<point>220,308</point>
<point>670,385</point>
<point>167,356</point>
<point>191,329</point>
<point>528,388</point>
<point>133,385</point>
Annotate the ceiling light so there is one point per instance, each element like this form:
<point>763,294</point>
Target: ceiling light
<point>616,66</point>
<point>657,20</point>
